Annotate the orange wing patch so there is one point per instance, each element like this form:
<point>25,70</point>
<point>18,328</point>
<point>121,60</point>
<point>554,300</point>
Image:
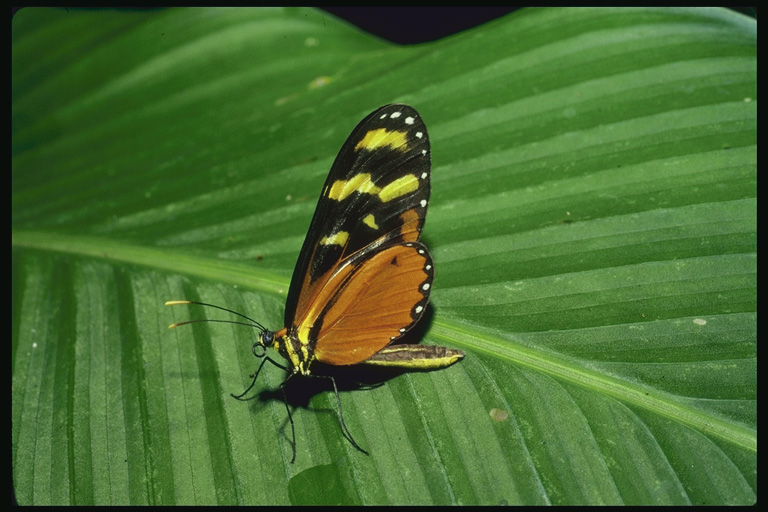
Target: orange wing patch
<point>376,304</point>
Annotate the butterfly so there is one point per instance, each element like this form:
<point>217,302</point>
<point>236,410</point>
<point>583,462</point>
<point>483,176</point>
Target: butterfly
<point>362,279</point>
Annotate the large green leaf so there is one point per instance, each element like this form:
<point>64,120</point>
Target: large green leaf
<point>592,222</point>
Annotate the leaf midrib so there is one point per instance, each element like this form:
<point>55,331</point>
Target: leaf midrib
<point>453,333</point>
<point>648,398</point>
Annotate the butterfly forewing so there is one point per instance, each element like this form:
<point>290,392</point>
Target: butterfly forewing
<point>375,196</point>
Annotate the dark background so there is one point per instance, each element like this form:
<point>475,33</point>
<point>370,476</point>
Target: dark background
<point>411,25</point>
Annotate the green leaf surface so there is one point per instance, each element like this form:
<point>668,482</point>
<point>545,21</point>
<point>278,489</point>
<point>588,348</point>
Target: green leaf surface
<point>592,223</point>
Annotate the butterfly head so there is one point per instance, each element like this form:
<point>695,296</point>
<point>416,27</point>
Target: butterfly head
<point>266,339</point>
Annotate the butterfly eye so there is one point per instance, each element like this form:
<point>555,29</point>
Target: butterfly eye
<point>266,338</point>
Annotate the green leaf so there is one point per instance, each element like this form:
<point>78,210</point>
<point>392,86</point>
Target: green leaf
<point>592,222</point>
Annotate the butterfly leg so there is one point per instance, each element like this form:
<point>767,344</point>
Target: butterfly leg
<point>344,428</point>
<point>290,416</point>
<point>255,376</point>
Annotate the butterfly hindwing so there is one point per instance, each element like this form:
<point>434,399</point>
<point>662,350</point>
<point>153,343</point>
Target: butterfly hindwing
<point>376,304</point>
<point>375,195</point>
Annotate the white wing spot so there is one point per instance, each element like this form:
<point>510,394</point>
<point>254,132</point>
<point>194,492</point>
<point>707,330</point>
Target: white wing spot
<point>423,203</point>
<point>409,120</point>
<point>419,134</point>
<point>425,286</point>
<point>419,309</point>
<point>423,175</point>
<point>428,267</point>
<point>395,115</point>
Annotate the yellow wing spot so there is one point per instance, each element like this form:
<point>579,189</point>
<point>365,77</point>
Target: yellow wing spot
<point>382,137</point>
<point>370,221</point>
<point>361,183</point>
<point>341,189</point>
<point>399,188</point>
<point>338,238</point>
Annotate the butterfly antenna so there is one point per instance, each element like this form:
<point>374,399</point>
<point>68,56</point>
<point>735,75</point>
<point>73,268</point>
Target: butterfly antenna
<point>253,323</point>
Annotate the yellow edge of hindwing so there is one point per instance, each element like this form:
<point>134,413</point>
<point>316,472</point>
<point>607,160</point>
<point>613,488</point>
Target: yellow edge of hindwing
<point>420,364</point>
<point>398,358</point>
